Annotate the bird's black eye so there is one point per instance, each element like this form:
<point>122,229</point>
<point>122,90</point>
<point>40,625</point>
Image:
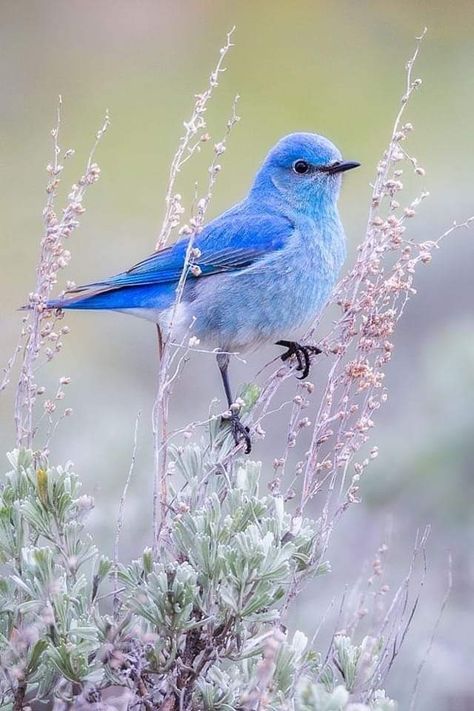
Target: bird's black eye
<point>301,167</point>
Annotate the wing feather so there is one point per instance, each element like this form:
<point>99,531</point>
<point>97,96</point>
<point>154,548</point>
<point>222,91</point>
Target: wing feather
<point>229,243</point>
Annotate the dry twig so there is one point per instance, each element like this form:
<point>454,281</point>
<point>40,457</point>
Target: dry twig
<point>39,325</point>
<point>172,218</point>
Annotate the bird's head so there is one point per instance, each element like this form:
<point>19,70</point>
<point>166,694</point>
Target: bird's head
<point>304,170</point>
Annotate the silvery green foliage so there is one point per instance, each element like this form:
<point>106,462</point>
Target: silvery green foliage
<point>197,628</point>
<point>51,573</point>
<point>316,698</point>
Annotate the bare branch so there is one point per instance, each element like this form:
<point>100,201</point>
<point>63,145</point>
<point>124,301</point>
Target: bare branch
<point>442,608</point>
<point>172,218</point>
<point>120,515</point>
<point>187,148</point>
<point>40,334</point>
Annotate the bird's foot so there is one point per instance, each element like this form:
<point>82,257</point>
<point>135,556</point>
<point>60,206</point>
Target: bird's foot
<point>240,432</point>
<point>301,353</point>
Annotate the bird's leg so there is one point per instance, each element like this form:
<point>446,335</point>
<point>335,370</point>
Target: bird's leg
<point>160,341</point>
<point>239,431</point>
<point>302,354</point>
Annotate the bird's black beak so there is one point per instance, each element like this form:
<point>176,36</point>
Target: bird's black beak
<point>342,166</point>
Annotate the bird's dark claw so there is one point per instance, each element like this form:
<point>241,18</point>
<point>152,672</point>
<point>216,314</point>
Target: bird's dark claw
<point>302,354</point>
<point>240,432</point>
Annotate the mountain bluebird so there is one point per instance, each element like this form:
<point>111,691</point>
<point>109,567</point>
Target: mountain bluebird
<point>262,270</point>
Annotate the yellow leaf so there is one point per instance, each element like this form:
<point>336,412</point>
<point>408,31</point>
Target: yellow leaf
<point>42,485</point>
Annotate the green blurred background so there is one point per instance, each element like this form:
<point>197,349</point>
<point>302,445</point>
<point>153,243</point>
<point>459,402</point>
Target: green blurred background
<point>336,68</point>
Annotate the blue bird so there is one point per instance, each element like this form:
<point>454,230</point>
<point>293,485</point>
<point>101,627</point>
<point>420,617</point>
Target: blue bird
<point>265,269</point>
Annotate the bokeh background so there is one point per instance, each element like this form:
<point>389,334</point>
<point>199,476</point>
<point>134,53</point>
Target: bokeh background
<point>336,68</point>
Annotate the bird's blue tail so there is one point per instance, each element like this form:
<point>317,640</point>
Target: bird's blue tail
<point>148,297</point>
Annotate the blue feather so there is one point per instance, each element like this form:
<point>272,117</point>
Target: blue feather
<point>231,242</point>
<point>150,297</point>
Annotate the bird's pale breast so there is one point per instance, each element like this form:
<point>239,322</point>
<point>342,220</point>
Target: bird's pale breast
<point>269,300</point>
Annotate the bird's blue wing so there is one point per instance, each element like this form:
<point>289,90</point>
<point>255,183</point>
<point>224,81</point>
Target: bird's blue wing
<point>233,241</point>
